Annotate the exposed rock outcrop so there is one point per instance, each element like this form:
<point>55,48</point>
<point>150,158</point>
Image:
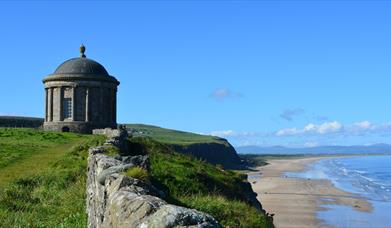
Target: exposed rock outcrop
<point>216,153</point>
<point>116,200</point>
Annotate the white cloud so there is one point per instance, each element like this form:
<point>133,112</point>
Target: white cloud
<point>335,127</point>
<point>234,134</point>
<point>288,131</point>
<point>310,127</point>
<point>325,128</point>
<point>364,125</point>
<point>310,135</point>
<point>222,133</point>
<point>329,127</point>
<point>224,93</point>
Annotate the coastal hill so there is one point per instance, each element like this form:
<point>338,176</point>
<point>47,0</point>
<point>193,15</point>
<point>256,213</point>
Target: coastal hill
<point>212,149</point>
<point>319,150</point>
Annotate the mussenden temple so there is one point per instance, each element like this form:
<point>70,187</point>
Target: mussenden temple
<point>80,96</point>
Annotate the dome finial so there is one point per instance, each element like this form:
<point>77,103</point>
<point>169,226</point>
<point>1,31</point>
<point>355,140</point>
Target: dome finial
<point>82,50</point>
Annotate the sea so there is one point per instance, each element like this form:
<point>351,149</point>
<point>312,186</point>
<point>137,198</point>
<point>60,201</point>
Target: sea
<point>368,176</point>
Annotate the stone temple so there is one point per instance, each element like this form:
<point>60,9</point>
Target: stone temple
<point>80,96</point>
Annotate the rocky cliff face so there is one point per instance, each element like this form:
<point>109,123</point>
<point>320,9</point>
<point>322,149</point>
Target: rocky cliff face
<point>116,200</point>
<point>215,153</point>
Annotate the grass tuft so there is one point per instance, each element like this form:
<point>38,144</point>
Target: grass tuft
<point>138,173</point>
<point>111,150</point>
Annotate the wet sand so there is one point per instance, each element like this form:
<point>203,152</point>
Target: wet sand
<point>295,201</point>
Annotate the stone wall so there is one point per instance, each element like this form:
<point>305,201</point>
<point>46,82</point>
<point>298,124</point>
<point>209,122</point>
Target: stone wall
<point>116,200</point>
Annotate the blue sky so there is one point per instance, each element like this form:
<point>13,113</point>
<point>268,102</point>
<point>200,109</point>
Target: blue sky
<point>293,73</point>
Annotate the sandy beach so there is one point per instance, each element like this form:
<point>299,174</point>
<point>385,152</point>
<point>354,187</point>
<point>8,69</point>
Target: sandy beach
<point>295,201</point>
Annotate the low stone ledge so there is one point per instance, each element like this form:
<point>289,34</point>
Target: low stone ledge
<point>115,137</point>
<point>115,200</point>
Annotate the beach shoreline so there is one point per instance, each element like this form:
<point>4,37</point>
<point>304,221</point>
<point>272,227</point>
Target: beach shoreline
<point>296,201</point>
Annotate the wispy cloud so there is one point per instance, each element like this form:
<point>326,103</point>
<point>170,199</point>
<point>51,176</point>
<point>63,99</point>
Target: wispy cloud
<point>222,93</point>
<point>310,135</point>
<point>222,134</point>
<point>357,128</point>
<point>231,133</point>
<point>290,114</point>
<point>325,128</point>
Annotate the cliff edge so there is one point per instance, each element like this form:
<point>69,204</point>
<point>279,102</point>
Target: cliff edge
<point>212,149</point>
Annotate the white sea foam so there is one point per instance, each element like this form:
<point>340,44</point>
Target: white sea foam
<point>369,177</point>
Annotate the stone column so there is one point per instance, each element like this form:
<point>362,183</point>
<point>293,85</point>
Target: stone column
<point>46,105</point>
<point>87,118</point>
<point>61,100</point>
<point>50,111</point>
<point>73,103</point>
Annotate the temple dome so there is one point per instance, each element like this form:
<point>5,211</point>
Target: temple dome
<point>81,66</point>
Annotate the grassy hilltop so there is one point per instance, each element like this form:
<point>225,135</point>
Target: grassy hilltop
<point>169,136</point>
<point>43,179</point>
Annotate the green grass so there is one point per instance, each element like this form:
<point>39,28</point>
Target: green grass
<point>138,173</point>
<point>169,136</point>
<point>230,213</point>
<point>17,144</point>
<point>111,150</point>
<point>191,182</point>
<point>45,190</point>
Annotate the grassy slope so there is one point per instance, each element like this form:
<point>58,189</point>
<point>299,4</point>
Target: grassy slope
<point>47,187</point>
<point>42,178</point>
<point>169,136</point>
<point>194,183</point>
